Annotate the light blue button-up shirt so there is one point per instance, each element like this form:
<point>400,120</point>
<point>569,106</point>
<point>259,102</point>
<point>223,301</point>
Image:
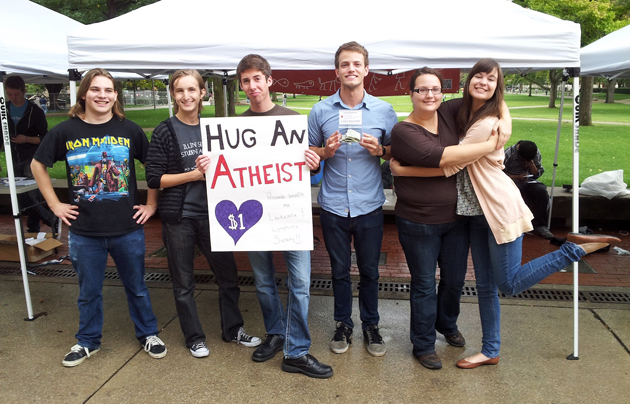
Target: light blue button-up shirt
<point>351,185</point>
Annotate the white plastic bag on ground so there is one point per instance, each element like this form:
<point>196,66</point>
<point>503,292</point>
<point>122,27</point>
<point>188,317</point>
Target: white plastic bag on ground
<point>607,184</point>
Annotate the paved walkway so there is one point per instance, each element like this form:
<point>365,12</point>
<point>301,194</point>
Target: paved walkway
<point>537,337</point>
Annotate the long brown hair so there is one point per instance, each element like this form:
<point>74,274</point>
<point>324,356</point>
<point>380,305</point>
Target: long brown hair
<point>78,109</point>
<point>178,75</point>
<point>492,107</point>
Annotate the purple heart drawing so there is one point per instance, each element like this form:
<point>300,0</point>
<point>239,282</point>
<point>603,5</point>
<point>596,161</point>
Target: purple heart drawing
<point>237,221</point>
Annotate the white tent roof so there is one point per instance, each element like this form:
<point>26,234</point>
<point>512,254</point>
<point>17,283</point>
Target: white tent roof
<point>608,56</point>
<point>33,43</point>
<point>400,35</point>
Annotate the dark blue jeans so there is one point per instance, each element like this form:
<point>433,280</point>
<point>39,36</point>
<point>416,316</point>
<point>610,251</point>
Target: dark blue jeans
<point>424,246</point>
<point>89,258</point>
<point>367,232</point>
<point>180,240</point>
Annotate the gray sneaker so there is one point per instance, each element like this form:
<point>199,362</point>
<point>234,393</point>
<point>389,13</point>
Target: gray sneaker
<point>374,341</point>
<point>543,232</point>
<point>341,339</point>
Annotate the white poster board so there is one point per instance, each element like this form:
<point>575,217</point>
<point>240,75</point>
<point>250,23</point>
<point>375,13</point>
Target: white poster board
<point>258,183</point>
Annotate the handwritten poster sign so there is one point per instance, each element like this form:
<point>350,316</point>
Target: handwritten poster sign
<point>258,183</point>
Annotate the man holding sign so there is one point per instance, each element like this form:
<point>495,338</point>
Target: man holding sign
<point>351,131</point>
<point>288,329</point>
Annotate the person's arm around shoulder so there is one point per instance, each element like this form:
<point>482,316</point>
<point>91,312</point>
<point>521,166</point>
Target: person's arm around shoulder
<point>503,127</point>
<point>413,171</point>
<point>466,154</point>
<point>64,211</point>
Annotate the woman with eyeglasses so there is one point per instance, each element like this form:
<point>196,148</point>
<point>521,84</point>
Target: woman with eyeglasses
<point>429,229</point>
<point>496,211</point>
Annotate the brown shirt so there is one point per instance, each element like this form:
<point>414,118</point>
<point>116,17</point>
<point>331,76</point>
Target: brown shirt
<point>430,200</point>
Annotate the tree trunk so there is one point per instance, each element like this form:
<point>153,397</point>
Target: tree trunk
<point>554,78</point>
<point>610,91</point>
<point>219,103</point>
<point>231,105</point>
<point>586,101</point>
<point>274,96</point>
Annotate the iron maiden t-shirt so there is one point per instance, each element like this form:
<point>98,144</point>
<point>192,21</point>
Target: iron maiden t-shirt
<point>100,170</point>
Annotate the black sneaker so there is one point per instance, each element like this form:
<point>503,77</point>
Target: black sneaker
<point>374,341</point>
<point>307,365</point>
<point>199,350</point>
<point>341,339</point>
<point>268,349</point>
<point>154,347</point>
<point>77,355</point>
<point>244,339</point>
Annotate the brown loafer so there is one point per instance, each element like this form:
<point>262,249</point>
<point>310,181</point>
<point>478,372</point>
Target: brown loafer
<point>464,364</point>
<point>578,238</point>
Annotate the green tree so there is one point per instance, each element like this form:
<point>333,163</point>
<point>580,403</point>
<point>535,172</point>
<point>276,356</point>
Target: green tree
<point>596,19</point>
<point>91,11</point>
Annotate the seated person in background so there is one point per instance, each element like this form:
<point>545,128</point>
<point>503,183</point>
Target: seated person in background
<point>523,165</point>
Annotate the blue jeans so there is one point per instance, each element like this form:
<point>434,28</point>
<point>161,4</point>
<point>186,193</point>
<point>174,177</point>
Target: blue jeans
<point>498,266</point>
<point>292,323</point>
<point>487,290</point>
<point>180,240</point>
<point>424,246</point>
<point>89,259</point>
<point>367,231</point>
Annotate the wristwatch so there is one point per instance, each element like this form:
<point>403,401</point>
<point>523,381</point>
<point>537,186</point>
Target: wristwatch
<point>384,151</point>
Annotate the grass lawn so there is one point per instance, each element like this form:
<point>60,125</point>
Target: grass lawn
<point>603,147</point>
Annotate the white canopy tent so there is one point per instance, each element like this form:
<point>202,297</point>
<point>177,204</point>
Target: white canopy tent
<point>608,57</point>
<point>400,36</point>
<point>33,41</point>
<point>33,44</point>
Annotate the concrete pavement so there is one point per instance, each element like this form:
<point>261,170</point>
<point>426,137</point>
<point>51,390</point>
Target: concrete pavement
<point>537,337</point>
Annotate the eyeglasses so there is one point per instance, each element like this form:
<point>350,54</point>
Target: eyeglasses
<point>425,91</point>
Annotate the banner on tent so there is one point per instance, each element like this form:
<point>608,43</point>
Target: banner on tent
<point>325,82</point>
<point>258,183</point>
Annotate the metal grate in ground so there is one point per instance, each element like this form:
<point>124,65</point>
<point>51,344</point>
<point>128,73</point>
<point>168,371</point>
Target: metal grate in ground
<point>399,290</point>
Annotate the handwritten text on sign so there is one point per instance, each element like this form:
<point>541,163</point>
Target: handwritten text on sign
<point>259,196</point>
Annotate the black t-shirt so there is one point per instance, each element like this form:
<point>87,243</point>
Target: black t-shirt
<point>100,170</point>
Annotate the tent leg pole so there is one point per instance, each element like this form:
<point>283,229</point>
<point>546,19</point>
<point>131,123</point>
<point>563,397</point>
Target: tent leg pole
<point>555,158</point>
<point>576,206</point>
<point>14,202</point>
<point>168,97</point>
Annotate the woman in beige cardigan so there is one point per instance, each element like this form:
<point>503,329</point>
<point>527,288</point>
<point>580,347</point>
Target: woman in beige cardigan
<point>498,215</point>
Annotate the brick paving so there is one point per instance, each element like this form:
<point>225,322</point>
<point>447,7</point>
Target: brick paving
<point>611,269</point>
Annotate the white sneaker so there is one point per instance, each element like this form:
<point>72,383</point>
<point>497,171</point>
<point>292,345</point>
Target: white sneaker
<point>199,350</point>
<point>247,340</point>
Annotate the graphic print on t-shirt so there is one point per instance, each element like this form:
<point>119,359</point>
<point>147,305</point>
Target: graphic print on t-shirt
<point>99,168</point>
